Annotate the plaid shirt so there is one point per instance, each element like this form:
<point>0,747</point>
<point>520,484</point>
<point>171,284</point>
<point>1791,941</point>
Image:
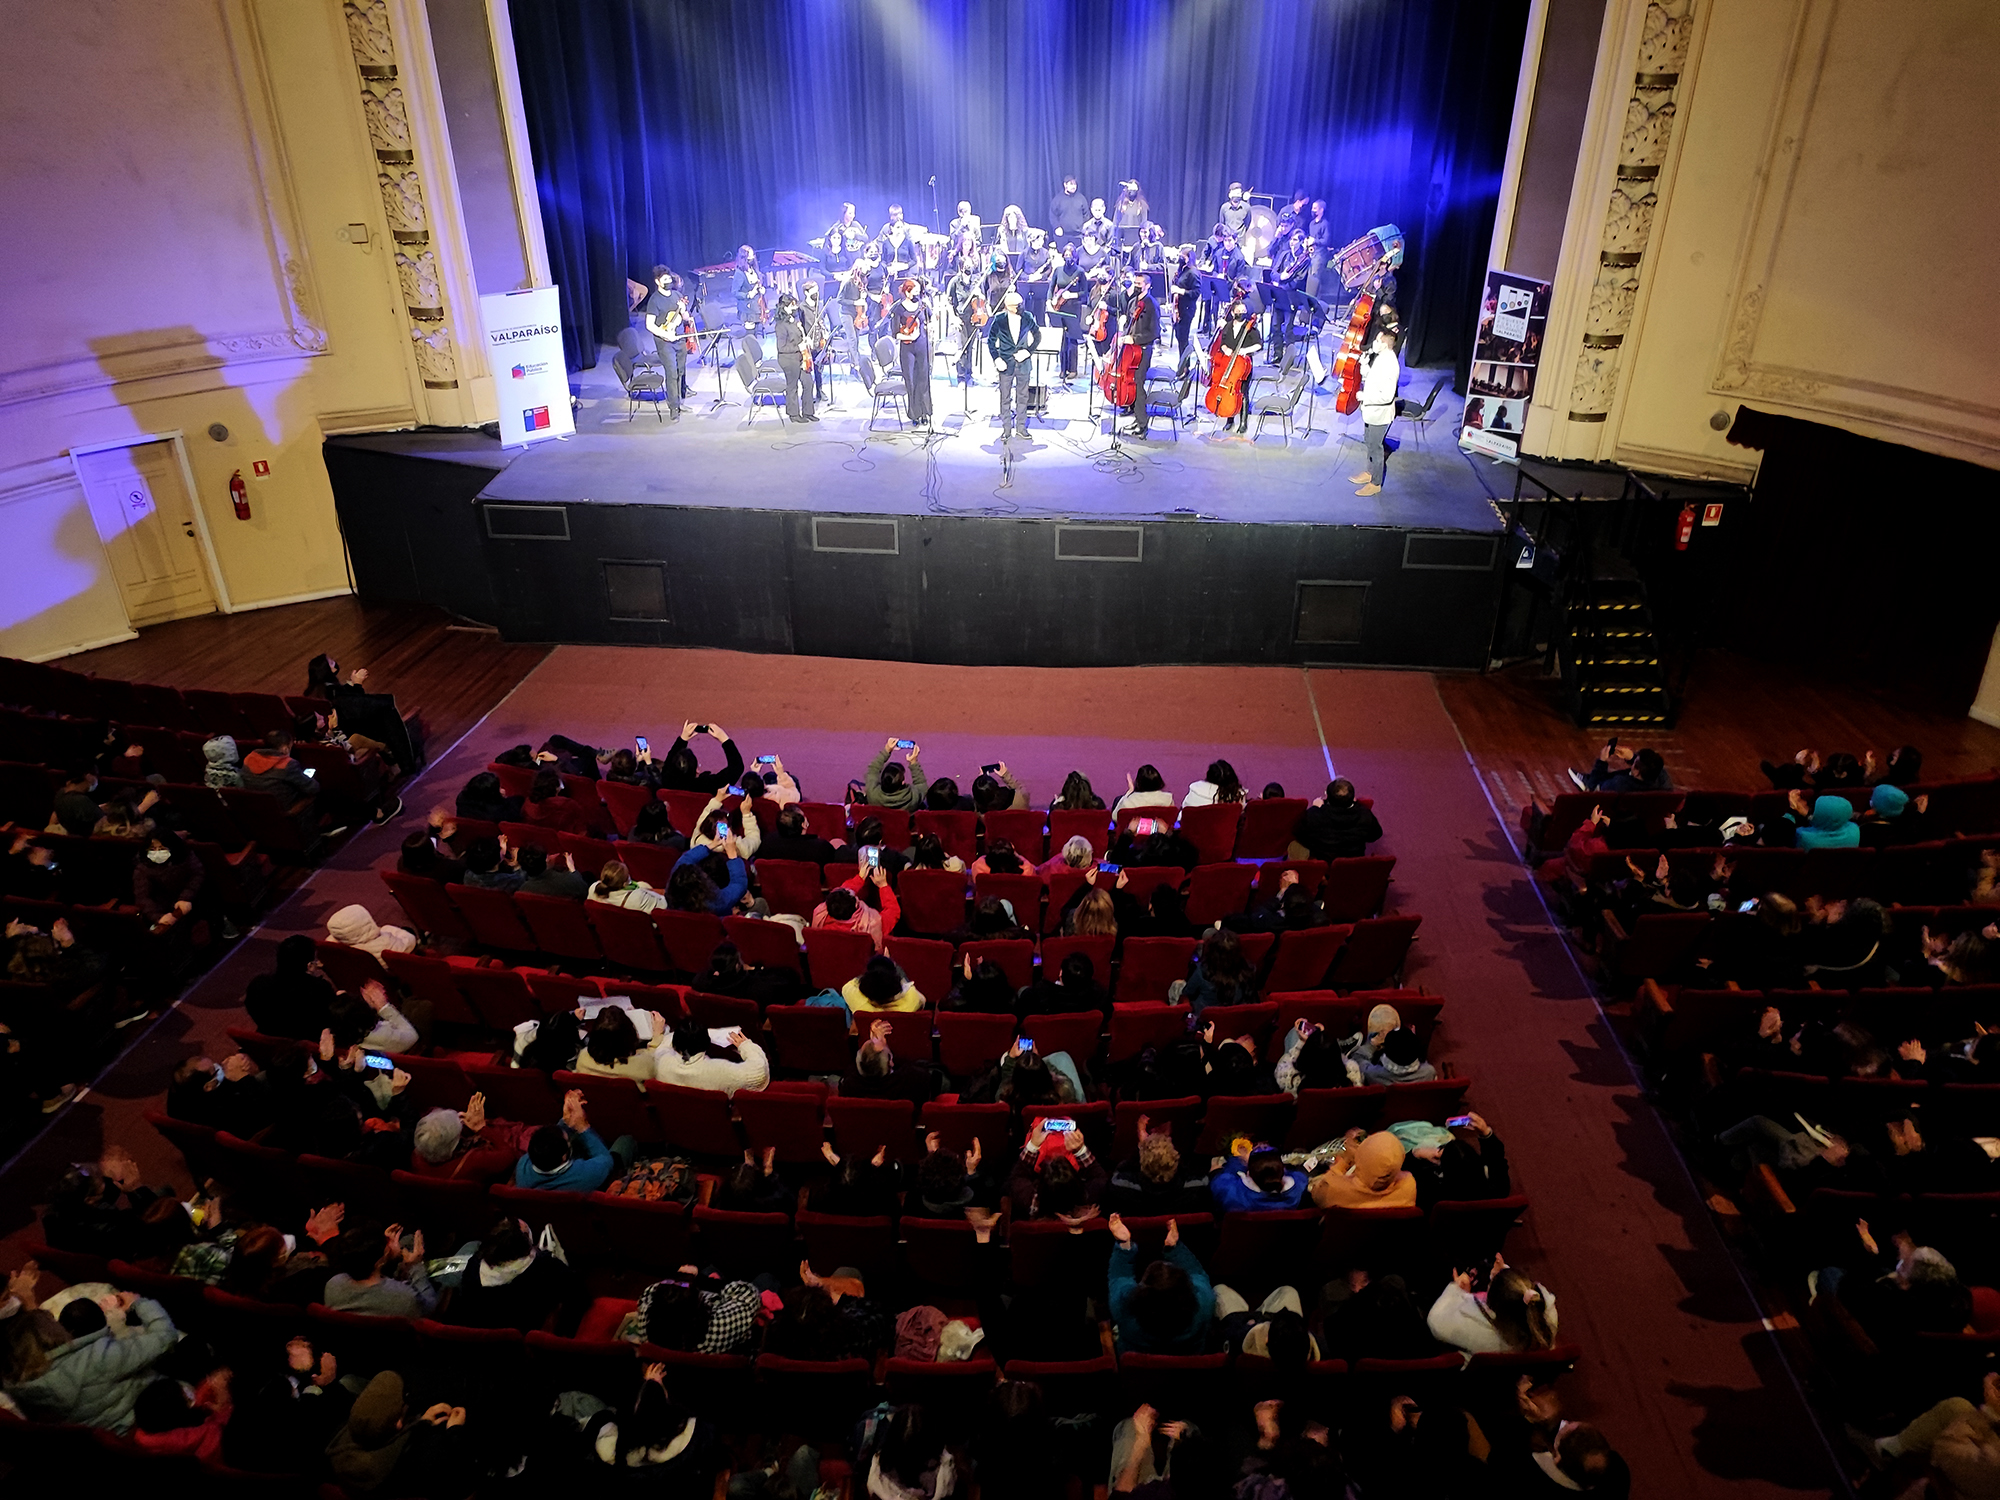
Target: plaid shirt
<point>732,1318</point>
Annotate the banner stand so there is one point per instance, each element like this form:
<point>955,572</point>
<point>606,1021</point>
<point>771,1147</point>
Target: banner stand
<point>525,349</point>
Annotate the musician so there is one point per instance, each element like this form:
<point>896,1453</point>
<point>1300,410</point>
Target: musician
<point>899,251</point>
<point>666,321</point>
<point>1039,266</point>
<point>1289,271</point>
<point>1129,215</point>
<point>965,295</point>
<point>844,240</point>
<point>1184,296</point>
<point>852,295</point>
<point>965,222</point>
<point>1067,212</point>
<point>1014,236</point>
<point>1098,225</point>
<point>819,337</point>
<point>911,320</point>
<point>1150,255</point>
<point>1225,262</point>
<point>1142,327</point>
<point>1091,253</point>
<point>1320,232</point>
<point>1381,372</point>
<point>1234,214</point>
<point>1292,216</point>
<point>748,285</point>
<point>790,329</point>
<point>1010,338</point>
<point>1100,321</point>
<point>1238,335</point>
<point>1066,301</point>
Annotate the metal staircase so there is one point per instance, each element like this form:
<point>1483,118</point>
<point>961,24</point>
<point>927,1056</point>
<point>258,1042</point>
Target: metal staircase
<point>1611,658</point>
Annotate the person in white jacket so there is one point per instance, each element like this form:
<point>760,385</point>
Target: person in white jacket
<point>353,926</point>
<point>1381,373</point>
<point>1516,1314</point>
<point>689,1062</point>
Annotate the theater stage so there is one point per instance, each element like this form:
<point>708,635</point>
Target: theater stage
<point>828,539</point>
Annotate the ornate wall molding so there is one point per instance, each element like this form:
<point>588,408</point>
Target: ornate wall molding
<point>385,108</point>
<point>1645,139</point>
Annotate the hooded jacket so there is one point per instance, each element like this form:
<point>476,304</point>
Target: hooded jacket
<point>353,926</point>
<point>1123,1279</point>
<point>1370,1176</point>
<point>907,797</point>
<point>1832,826</point>
<point>225,766</point>
<point>93,1381</point>
<point>1338,830</point>
<point>280,775</point>
<point>1236,1192</point>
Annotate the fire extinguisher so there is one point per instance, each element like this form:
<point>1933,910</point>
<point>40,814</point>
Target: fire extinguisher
<point>1685,529</point>
<point>239,496</point>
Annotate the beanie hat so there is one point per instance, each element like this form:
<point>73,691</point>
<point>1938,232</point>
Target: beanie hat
<point>378,1411</point>
<point>436,1135</point>
<point>1383,1018</point>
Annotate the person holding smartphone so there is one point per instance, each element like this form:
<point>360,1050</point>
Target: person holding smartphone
<point>682,772</point>
<point>887,784</point>
<point>867,903</point>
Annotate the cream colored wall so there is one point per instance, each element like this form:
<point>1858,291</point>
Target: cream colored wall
<point>1821,244</point>
<point>180,181</point>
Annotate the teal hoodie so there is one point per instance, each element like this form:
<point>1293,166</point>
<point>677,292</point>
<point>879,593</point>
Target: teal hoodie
<point>1832,826</point>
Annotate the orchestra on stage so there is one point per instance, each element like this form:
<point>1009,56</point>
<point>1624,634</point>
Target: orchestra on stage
<point>1095,292</point>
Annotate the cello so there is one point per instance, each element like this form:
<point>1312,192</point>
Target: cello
<point>1347,363</point>
<point>1119,379</point>
<point>1229,372</point>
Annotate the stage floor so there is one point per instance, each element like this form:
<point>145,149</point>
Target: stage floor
<point>714,456</point>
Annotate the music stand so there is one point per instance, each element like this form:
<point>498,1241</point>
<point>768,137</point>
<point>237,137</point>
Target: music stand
<point>714,337</point>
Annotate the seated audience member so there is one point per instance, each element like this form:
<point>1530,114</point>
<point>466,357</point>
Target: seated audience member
<point>353,926</point>
<point>881,986</point>
<point>616,887</point>
<point>927,852</point>
<point>227,1095</point>
<point>844,907</point>
<point>491,866</point>
<point>700,1314</point>
<point>997,791</point>
<point>1578,1458</point>
<point>681,772</point>
<point>628,767</point>
<point>1219,785</point>
<point>373,1022</point>
<point>295,999</point>
<point>548,807</point>
<point>123,818</point>
<point>1230,1066</point>
<point>613,1048</point>
<point>542,876</point>
<point>1336,826</point>
<point>1091,913</point>
<point>829,1317</point>
<point>483,801</point>
<point>1144,788</point>
<point>1368,1174</point>
<point>1273,791</point>
<point>909,1460</point>
<point>1152,843</point>
<point>1961,1441</point>
<point>1904,768</point>
<point>1074,989</point>
<point>1275,1329</point>
<point>1000,858</point>
<point>1076,854</point>
<point>1621,769</point>
<point>1166,1307</point>
<point>983,987</point>
<point>1155,1182</point>
<point>1830,824</point>
<point>1471,1167</point>
<point>167,880</point>
<point>1029,1077</point>
<point>97,1207</point>
<point>76,810</point>
<point>655,825</point>
<point>1897,1293</point>
<point>222,766</point>
<point>713,827</point>
<point>508,1283</point>
<point>727,974</point>
<point>861,1187</point>
<point>466,1145</point>
<point>1895,817</point>
<point>690,888</point>
<point>381,1449</point>
<point>427,856</point>
<point>794,839</point>
<point>1076,795</point>
<point>756,1188</point>
<point>1516,1315</point>
<point>950,1184</point>
<point>888,784</point>
<point>659,1440</point>
<point>942,795</point>
<point>1400,1059</point>
<point>1311,1059</point>
<point>96,1377</point>
<point>1253,1178</point>
<point>877,1073</point>
<point>1056,1177</point>
<point>169,1418</point>
<point>1292,908</point>
<point>270,768</point>
<point>365,1283</point>
<point>1222,975</point>
<point>28,870</point>
<point>571,1157</point>
<point>993,920</point>
<point>694,1060</point>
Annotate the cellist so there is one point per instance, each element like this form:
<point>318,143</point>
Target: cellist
<point>1142,332</point>
<point>1237,338</point>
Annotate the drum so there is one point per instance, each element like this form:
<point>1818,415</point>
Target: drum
<point>1257,236</point>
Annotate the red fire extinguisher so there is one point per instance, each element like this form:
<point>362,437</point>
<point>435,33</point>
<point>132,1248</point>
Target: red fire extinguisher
<point>239,496</point>
<point>1685,529</point>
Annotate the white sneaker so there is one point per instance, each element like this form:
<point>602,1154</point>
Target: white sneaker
<point>1577,777</point>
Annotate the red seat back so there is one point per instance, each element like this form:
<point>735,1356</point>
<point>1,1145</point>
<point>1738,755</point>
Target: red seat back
<point>624,802</point>
<point>957,831</point>
<point>559,926</point>
<point>970,1042</point>
<point>1212,829</point>
<point>865,1124</point>
<point>895,824</point>
<point>810,1038</point>
<point>1097,949</point>
<point>1134,1028</point>
<point>348,968</point>
<point>1218,891</point>
<point>835,955</point>
<point>1268,827</point>
<point>764,943</point>
<point>1355,888</point>
<point>1436,1100</point>
<point>628,938</point>
<point>1022,892</point>
<point>492,918</point>
<point>927,964</point>
<point>959,1125</point>
<point>689,937</point>
<point>499,997</point>
<point>1303,957</point>
<point>1271,876</point>
<point>1022,827</point>
<point>1015,956</point>
<point>424,902</point>
<point>695,1120</point>
<point>1182,1116</point>
<point>1068,823</point>
<point>827,820</point>
<point>1149,965</point>
<point>941,1252</point>
<point>521,1094</point>
<point>834,1240</point>
<point>933,901</point>
<point>1373,954</point>
<point>1074,1032</point>
<point>1262,1117</point>
<point>791,886</point>
<point>1326,1114</point>
<point>791,1124</point>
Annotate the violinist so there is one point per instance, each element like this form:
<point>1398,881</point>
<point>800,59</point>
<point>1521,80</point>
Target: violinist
<point>851,296</point>
<point>1142,331</point>
<point>1100,322</point>
<point>1038,273</point>
<point>812,315</point>
<point>794,353</point>
<point>752,306</point>
<point>1091,254</point>
<point>910,318</point>
<point>965,295</point>
<point>1238,336</point>
<point>843,241</point>
<point>667,321</point>
<point>964,230</point>
<point>1184,296</point>
<point>1066,302</point>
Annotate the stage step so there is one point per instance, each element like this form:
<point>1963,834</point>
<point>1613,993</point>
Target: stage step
<point>1611,660</point>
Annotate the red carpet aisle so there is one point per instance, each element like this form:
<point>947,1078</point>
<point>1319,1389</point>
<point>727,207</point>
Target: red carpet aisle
<point>1678,1370</point>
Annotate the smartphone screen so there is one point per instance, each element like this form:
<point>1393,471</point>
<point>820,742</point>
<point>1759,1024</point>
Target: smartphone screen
<point>767,760</point>
<point>1027,1044</point>
<point>310,771</point>
<point>1459,1122</point>
<point>992,769</point>
<point>381,1064</point>
<point>873,855</point>
<point>640,741</point>
<point>906,744</point>
<point>734,791</point>
<point>1750,905</point>
<point>1109,869</point>
<point>1058,1124</point>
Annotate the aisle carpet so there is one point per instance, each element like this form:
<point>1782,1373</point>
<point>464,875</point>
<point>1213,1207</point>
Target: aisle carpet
<point>1677,1366</point>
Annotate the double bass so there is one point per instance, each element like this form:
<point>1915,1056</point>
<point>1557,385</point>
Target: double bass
<point>1347,363</point>
<point>1229,372</point>
<point>1119,379</point>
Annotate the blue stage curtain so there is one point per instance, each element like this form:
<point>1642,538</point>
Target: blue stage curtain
<point>675,130</point>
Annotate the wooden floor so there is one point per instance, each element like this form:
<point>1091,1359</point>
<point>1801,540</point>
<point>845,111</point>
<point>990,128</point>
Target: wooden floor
<point>1736,712</point>
<point>452,677</point>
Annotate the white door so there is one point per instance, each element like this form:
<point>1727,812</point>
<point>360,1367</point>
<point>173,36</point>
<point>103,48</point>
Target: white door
<point>145,516</point>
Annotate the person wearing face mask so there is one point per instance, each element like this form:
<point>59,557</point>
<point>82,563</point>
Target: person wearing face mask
<point>910,321</point>
<point>167,883</point>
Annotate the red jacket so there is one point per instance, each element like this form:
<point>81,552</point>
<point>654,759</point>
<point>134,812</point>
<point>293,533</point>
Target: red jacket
<point>877,924</point>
